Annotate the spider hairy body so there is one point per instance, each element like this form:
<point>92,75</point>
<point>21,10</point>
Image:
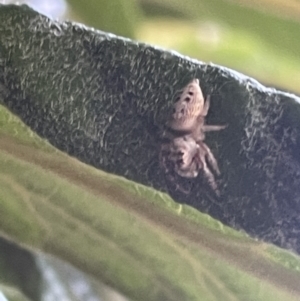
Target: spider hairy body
<point>184,151</point>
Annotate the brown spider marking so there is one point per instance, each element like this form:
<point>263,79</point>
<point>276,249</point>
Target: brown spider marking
<point>185,152</point>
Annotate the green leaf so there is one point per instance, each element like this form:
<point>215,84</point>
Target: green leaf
<point>131,237</point>
<point>115,16</point>
<point>258,40</point>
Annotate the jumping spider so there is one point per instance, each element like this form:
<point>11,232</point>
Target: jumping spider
<point>184,151</point>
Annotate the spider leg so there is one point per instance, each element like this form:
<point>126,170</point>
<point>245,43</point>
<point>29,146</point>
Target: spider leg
<point>164,152</point>
<point>206,106</point>
<point>179,187</point>
<point>211,128</point>
<point>207,173</point>
<point>210,157</point>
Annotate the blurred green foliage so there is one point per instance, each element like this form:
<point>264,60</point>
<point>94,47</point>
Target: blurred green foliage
<point>116,16</point>
<point>260,39</point>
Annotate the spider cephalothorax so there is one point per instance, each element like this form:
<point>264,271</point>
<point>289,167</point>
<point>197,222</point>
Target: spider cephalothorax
<point>184,151</point>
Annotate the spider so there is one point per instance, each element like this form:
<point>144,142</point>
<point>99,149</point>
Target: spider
<point>184,151</point>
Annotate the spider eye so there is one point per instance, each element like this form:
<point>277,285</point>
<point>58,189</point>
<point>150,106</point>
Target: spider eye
<point>182,111</point>
<point>190,93</point>
<point>187,99</point>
